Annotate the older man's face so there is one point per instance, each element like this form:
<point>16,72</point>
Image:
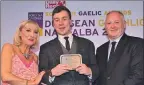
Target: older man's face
<point>114,25</point>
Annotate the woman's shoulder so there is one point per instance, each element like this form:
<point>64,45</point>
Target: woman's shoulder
<point>7,49</point>
<point>7,46</point>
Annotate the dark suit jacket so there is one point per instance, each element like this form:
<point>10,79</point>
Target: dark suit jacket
<point>49,57</point>
<point>126,65</point>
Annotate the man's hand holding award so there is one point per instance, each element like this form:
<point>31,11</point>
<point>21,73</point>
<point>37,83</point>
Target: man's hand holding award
<point>73,60</point>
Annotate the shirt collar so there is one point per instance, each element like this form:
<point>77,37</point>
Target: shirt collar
<point>62,40</point>
<point>116,40</point>
<point>62,37</point>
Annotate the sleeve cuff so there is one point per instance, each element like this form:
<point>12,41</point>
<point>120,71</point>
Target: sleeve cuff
<point>51,79</point>
<point>90,77</point>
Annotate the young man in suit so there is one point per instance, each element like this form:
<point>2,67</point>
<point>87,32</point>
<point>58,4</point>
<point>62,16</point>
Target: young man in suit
<point>120,60</point>
<point>50,52</point>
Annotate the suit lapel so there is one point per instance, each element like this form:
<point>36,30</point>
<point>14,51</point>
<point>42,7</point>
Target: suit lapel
<point>104,55</point>
<point>57,48</point>
<point>79,46</point>
<point>118,52</point>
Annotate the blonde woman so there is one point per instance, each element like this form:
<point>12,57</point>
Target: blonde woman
<point>19,65</point>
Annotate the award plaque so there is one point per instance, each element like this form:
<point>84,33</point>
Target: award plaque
<point>73,60</point>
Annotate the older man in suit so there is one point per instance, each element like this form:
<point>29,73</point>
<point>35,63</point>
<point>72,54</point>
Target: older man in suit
<point>50,52</point>
<point>120,60</point>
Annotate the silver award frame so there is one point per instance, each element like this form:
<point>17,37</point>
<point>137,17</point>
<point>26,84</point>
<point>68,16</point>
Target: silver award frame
<point>73,60</point>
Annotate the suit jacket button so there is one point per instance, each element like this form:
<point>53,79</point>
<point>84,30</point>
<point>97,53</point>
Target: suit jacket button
<point>108,77</point>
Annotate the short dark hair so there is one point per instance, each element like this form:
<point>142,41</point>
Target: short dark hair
<point>59,9</point>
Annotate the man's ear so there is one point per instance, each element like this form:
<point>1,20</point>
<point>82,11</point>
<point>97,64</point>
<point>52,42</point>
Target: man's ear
<point>124,24</point>
<point>70,23</point>
<point>52,23</point>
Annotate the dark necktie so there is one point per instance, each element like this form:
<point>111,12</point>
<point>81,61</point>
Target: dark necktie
<point>112,50</point>
<point>67,43</point>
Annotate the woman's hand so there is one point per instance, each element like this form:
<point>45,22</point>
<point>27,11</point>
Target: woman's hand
<point>37,79</point>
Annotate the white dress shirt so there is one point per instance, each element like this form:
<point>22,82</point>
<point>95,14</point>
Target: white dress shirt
<point>63,41</point>
<point>110,45</point>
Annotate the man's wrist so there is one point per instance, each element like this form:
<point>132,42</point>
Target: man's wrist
<point>50,73</point>
<point>90,71</point>
<point>90,74</point>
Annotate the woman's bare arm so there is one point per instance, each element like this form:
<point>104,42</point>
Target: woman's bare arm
<point>6,66</point>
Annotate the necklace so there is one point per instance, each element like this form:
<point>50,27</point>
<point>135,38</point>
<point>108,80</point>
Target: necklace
<point>26,55</point>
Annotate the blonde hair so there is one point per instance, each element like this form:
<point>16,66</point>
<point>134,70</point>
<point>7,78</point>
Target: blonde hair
<point>17,39</point>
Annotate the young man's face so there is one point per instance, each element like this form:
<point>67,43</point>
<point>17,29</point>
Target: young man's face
<point>114,25</point>
<point>62,22</point>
